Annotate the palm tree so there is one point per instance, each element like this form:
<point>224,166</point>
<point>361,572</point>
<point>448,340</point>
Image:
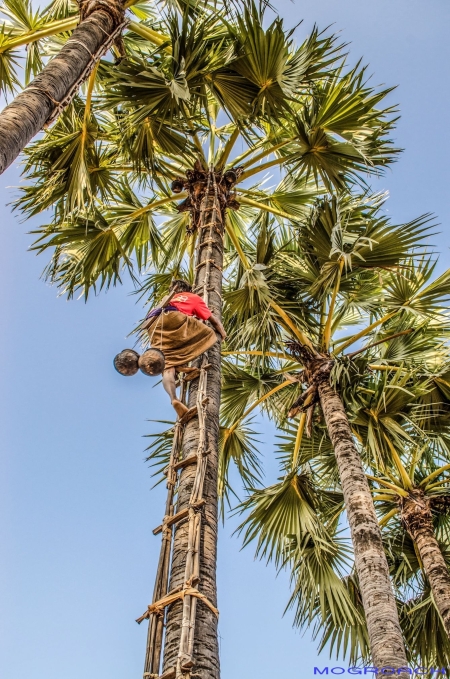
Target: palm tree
<point>415,494</point>
<point>81,34</point>
<point>164,125</point>
<point>399,415</point>
<point>423,627</point>
<point>346,264</point>
<point>400,418</point>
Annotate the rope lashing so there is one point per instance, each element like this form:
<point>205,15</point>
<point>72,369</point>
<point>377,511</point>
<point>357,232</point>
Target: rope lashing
<point>158,607</point>
<point>208,261</point>
<point>61,105</point>
<point>78,42</point>
<point>115,8</point>
<point>43,91</point>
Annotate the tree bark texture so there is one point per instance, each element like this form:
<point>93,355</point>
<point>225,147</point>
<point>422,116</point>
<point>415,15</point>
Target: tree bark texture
<point>58,82</point>
<point>386,642</point>
<point>206,649</point>
<point>417,519</point>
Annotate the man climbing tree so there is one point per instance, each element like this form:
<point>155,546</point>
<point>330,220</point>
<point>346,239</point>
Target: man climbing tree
<point>177,330</point>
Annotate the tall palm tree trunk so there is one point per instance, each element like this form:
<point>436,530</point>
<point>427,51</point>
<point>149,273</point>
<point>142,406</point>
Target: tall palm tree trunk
<point>385,637</point>
<point>417,519</point>
<point>57,84</point>
<point>206,649</point>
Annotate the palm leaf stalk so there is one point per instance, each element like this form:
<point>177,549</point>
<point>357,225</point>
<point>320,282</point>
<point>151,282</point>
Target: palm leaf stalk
<point>155,125</point>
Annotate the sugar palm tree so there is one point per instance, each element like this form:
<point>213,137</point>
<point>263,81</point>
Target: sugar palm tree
<point>222,100</point>
<point>420,581</point>
<point>76,35</point>
<point>399,416</point>
<point>344,265</point>
<point>416,490</point>
<point>423,627</point>
<point>401,424</point>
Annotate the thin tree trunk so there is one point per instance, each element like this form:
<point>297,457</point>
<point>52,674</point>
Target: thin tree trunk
<point>59,81</point>
<point>385,637</point>
<point>417,519</point>
<point>206,649</point>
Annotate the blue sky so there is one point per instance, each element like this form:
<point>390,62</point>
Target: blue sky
<point>76,512</point>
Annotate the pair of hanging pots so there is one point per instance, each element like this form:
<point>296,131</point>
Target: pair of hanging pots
<point>151,363</point>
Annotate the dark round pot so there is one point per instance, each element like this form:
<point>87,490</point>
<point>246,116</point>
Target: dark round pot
<point>127,362</point>
<point>152,362</point>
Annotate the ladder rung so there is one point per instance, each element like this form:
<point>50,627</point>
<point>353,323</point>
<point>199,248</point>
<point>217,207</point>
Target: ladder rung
<point>187,664</point>
<point>187,417</point>
<point>192,459</point>
<point>192,375</point>
<point>173,519</point>
<point>178,517</point>
<point>195,373</point>
<point>169,674</point>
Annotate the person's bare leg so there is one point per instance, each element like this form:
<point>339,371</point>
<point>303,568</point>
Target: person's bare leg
<point>169,385</point>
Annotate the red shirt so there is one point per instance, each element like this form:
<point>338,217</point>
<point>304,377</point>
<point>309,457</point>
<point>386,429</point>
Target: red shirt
<point>191,305</point>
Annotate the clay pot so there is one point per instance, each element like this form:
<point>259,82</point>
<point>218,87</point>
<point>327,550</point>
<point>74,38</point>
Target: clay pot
<point>230,177</point>
<point>152,362</point>
<point>177,185</point>
<point>127,362</point>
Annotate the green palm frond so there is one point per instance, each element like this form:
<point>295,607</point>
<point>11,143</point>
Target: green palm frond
<point>414,292</point>
<point>383,418</point>
<point>317,453</point>
<point>424,632</point>
<point>319,592</point>
<point>341,133</point>
<point>144,10</point>
<point>348,636</point>
<point>263,62</point>
<point>279,514</point>
<point>135,228</point>
<point>293,197</point>
<point>353,229</point>
<point>87,254</point>
<point>237,449</point>
<point>9,80</point>
<point>155,286</point>
<point>22,20</point>
<point>239,387</point>
<point>154,93</point>
<point>144,143</point>
<point>159,452</point>
<point>68,166</point>
<point>60,9</point>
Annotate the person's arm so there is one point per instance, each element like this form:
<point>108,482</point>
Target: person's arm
<point>203,312</point>
<point>217,325</point>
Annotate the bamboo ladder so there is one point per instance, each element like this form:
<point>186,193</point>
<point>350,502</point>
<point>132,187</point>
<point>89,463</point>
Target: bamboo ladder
<point>189,592</point>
